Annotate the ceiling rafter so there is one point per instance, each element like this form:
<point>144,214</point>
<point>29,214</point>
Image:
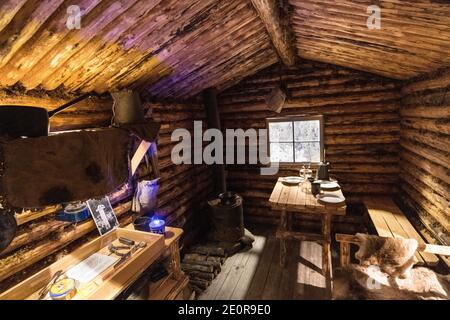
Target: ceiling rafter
<point>274,15</point>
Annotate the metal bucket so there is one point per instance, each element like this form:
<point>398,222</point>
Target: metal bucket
<point>227,218</point>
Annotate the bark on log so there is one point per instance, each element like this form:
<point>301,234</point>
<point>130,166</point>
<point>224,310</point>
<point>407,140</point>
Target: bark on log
<point>208,250</point>
<point>272,17</point>
<point>196,267</point>
<point>209,276</point>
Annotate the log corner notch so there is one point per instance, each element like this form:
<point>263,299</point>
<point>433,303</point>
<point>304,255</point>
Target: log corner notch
<point>275,17</point>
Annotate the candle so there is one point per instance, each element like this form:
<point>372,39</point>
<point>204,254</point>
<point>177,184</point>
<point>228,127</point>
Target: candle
<point>157,225</point>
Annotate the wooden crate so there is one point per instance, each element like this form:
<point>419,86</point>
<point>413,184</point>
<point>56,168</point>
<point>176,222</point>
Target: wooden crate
<point>101,288</point>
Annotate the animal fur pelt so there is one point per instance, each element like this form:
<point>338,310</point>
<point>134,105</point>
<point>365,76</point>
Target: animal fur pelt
<point>394,256</point>
<point>370,283</point>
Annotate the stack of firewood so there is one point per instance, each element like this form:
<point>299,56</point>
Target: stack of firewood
<point>202,264</point>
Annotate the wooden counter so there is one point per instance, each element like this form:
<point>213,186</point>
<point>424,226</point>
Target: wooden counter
<point>111,282</point>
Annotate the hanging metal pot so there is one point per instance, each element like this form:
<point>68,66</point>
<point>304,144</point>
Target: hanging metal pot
<point>24,121</point>
<point>8,227</point>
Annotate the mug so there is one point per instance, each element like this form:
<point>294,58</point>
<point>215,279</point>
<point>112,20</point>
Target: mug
<point>315,188</point>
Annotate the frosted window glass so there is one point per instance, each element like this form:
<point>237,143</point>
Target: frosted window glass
<point>281,152</point>
<point>307,152</point>
<point>307,130</point>
<point>295,141</point>
<point>280,131</point>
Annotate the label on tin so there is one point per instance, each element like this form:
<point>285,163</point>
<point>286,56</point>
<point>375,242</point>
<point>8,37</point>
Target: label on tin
<point>62,289</point>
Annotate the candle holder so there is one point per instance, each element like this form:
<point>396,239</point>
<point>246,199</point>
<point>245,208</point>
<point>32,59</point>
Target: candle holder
<point>157,225</point>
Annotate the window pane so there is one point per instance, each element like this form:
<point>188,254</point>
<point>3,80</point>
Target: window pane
<point>308,130</point>
<point>280,132</point>
<point>281,152</point>
<point>307,152</point>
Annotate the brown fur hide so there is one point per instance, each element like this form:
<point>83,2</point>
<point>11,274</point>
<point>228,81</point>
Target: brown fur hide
<point>370,283</point>
<point>394,256</point>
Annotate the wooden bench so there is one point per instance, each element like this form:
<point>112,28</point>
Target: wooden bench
<point>389,221</point>
<point>345,240</point>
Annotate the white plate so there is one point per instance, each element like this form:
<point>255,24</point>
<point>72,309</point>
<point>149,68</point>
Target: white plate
<point>292,180</point>
<point>329,185</point>
<point>331,199</point>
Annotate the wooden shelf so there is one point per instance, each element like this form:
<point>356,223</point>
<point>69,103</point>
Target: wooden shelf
<point>171,286</point>
<point>168,288</point>
<point>106,286</point>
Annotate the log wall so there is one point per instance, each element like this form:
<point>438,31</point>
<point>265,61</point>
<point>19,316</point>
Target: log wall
<point>41,239</point>
<point>362,128</point>
<point>425,151</point>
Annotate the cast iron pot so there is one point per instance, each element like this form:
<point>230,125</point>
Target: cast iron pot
<point>22,121</point>
<point>8,226</point>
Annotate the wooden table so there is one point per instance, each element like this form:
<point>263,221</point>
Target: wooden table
<point>295,198</point>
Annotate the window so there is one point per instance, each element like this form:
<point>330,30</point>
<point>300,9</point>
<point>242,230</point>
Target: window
<point>296,139</point>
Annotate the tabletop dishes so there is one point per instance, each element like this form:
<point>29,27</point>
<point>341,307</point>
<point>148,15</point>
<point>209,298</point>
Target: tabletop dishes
<point>293,180</point>
<point>328,185</point>
<point>331,199</point>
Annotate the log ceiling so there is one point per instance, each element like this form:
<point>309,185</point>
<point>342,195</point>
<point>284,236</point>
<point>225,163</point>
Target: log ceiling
<point>414,37</point>
<point>170,48</point>
<point>175,49</point>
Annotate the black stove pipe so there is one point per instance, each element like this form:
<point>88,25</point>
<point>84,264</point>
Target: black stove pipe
<point>212,112</point>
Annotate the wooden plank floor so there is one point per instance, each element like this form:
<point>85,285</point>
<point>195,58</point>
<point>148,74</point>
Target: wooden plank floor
<point>257,274</point>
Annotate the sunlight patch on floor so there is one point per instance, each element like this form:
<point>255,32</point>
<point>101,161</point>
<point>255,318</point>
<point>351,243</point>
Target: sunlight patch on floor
<point>310,264</point>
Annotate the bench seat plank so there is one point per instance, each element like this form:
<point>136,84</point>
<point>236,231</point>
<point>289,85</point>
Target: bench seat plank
<point>389,221</point>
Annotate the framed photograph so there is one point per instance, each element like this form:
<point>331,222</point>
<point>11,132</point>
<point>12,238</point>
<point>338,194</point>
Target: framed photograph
<point>103,214</point>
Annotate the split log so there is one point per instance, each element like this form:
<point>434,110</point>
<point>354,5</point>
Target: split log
<point>195,257</point>
<point>220,260</point>
<point>209,276</point>
<point>215,265</point>
<point>196,289</point>
<point>208,250</point>
<point>196,267</point>
<point>201,283</point>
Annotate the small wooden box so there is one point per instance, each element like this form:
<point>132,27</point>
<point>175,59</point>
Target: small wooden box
<point>99,288</point>
<point>275,100</point>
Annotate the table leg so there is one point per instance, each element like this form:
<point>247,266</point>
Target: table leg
<point>284,224</point>
<point>175,263</point>
<point>326,252</point>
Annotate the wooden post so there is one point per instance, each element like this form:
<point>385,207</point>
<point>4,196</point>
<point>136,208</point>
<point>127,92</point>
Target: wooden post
<point>326,251</point>
<point>175,263</point>
<point>345,254</point>
<point>283,242</point>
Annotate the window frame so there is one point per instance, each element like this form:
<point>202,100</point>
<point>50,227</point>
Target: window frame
<point>293,119</point>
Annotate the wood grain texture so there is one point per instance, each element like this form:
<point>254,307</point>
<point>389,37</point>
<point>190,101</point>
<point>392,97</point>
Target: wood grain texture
<point>362,127</point>
<point>414,37</point>
<point>169,49</point>
<point>425,154</point>
<point>276,22</point>
<point>182,195</point>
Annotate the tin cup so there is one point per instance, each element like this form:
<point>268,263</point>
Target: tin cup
<point>315,188</point>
